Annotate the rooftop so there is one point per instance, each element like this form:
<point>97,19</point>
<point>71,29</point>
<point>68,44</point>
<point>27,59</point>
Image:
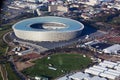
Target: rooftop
<point>101,46</point>
<point>71,25</point>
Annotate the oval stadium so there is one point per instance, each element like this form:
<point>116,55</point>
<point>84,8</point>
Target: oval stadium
<point>48,28</point>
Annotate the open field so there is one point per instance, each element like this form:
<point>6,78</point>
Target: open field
<point>1,77</point>
<point>11,73</point>
<point>64,63</point>
<point>3,45</point>
<point>3,72</point>
<point>0,74</point>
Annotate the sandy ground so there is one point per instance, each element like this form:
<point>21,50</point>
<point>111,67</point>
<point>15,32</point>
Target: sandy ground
<point>111,58</point>
<point>23,65</point>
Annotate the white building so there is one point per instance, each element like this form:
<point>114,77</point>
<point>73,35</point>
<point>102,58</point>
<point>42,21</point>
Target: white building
<point>94,2</point>
<point>112,49</point>
<point>93,72</point>
<point>97,72</point>
<point>91,2</point>
<point>96,69</point>
<point>106,69</point>
<point>106,0</point>
<point>81,76</point>
<point>100,67</point>
<point>108,76</point>
<point>61,8</point>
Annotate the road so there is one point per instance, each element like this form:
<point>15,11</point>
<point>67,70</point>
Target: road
<point>40,48</point>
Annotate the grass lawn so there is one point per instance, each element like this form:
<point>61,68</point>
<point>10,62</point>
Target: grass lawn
<point>1,77</point>
<point>3,71</point>
<point>3,45</point>
<point>11,74</point>
<point>65,62</point>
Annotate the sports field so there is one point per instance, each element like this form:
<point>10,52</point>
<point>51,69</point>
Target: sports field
<point>63,63</point>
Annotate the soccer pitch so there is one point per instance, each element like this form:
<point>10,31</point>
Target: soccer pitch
<point>58,64</point>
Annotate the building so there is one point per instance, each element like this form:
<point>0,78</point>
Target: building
<point>86,16</point>
<point>99,47</point>
<point>114,49</point>
<point>62,8</point>
<point>90,2</point>
<point>52,8</point>
<point>84,76</point>
<point>105,69</point>
<point>34,1</point>
<point>81,76</point>
<point>93,2</point>
<point>48,28</point>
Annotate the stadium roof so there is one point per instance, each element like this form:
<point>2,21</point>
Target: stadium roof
<point>71,25</point>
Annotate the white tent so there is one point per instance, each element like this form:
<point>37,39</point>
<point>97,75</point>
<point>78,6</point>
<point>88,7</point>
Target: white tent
<point>117,68</point>
<point>106,65</point>
<point>79,76</point>
<point>93,72</point>
<point>111,73</point>
<point>112,49</point>
<point>100,67</point>
<point>107,76</point>
<point>114,71</point>
<point>99,70</point>
<point>109,62</point>
<point>97,78</point>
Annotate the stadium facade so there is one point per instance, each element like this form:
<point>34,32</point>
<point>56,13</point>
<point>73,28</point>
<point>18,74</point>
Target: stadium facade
<point>48,28</point>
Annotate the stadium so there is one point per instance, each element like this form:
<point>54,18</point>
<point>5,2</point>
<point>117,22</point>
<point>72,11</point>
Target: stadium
<point>48,28</point>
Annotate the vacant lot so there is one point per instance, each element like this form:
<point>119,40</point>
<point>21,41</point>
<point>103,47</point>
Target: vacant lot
<point>63,63</point>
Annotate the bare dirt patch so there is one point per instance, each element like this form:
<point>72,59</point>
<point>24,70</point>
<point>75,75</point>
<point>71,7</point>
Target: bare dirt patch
<point>23,65</point>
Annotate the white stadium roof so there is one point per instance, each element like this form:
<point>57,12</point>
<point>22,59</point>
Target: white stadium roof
<point>25,24</point>
<point>48,28</point>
